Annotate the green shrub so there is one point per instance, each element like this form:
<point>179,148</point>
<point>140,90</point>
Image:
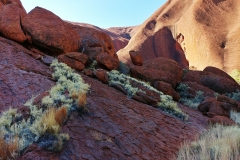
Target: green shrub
<point>217,143</point>
<point>234,95</point>
<point>42,126</point>
<point>186,99</point>
<point>235,116</point>
<point>167,104</point>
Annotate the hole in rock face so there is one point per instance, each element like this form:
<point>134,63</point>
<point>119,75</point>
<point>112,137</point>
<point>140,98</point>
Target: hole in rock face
<point>217,1</point>
<point>151,25</point>
<point>223,44</point>
<point>166,15</point>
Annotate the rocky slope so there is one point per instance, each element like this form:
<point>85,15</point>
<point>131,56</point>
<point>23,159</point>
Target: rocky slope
<point>126,118</point>
<point>207,31</point>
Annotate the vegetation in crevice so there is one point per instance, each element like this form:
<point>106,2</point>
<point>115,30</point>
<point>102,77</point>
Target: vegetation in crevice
<point>234,95</point>
<point>44,123</point>
<point>187,99</point>
<point>166,103</point>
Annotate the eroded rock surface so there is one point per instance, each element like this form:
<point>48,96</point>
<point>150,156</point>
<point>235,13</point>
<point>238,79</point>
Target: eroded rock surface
<point>21,76</point>
<point>121,128</point>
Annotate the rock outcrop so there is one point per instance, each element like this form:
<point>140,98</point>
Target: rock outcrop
<point>10,26</point>
<point>213,81</point>
<point>45,29</point>
<point>93,37</point>
<point>114,126</point>
<point>160,44</point>
<point>207,31</point>
<point>75,60</point>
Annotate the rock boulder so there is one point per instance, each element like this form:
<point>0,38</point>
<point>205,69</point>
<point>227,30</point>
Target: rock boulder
<point>50,32</point>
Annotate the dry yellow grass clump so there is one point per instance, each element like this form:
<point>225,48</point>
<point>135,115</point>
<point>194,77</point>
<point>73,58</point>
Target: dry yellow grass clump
<point>218,143</point>
<point>9,148</point>
<point>82,100</point>
<point>61,115</point>
<point>49,123</point>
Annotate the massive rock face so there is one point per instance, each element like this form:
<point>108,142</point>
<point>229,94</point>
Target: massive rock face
<point>208,32</point>
<point>211,33</point>
<point>47,30</point>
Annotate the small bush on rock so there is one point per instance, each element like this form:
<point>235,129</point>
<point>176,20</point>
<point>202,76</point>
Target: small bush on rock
<point>43,124</point>
<point>167,104</point>
<point>187,100</point>
<point>234,95</point>
<point>8,147</point>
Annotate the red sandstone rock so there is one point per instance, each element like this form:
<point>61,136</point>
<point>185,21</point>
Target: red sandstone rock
<point>167,65</point>
<point>166,88</point>
<point>195,87</point>
<point>214,82</point>
<point>219,72</point>
<point>92,52</point>
<point>101,75</point>
<point>88,72</point>
<point>104,128</point>
<point>10,25</point>
<point>153,75</point>
<point>136,58</point>
<point>78,56</point>
<point>21,75</point>
<point>221,120</point>
<point>17,3</point>
<point>73,63</point>
<point>121,35</point>
<point>107,61</point>
<point>213,106</point>
<point>159,69</point>
<point>159,44</point>
<point>144,98</point>
<point>47,30</point>
<point>143,124</point>
<point>101,133</point>
<point>92,36</point>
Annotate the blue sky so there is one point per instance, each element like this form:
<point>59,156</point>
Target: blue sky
<point>102,13</point>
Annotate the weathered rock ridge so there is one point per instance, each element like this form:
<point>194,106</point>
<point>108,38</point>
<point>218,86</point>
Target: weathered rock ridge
<point>206,30</point>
